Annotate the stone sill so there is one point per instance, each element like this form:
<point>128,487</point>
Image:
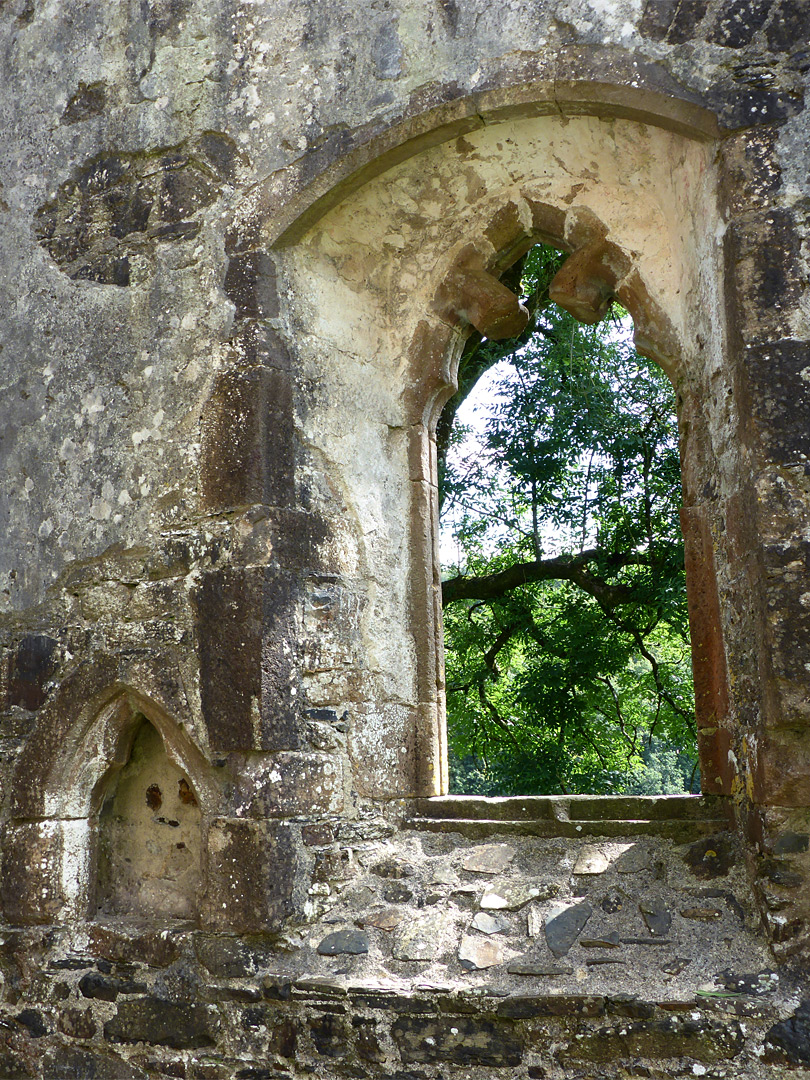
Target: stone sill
<point>676,817</point>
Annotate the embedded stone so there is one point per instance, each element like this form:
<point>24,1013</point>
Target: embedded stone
<point>705,913</point>
<point>591,860</point>
<point>788,1042</point>
<point>514,897</point>
<point>629,1005</point>
<point>791,843</point>
<point>490,924</point>
<point>181,1026</point>
<point>78,1023</point>
<point>764,982</point>
<point>349,942</point>
<point>711,857</point>
<point>329,1035</point>
<point>322,985</point>
<point>676,965</point>
<point>656,915</point>
<point>465,1041</point>
<point>245,892</point>
<point>396,892</point>
<point>613,902</point>
<point>421,939</point>
<point>77,1063</point>
<point>528,966</point>
<point>632,861</point>
<point>319,834</point>
<point>700,1040</point>
<point>392,868</point>
<point>227,957</point>
<point>443,875</point>
<point>33,1021</point>
<point>107,988</point>
<point>366,1041</point>
<point>534,921</point>
<point>489,859</point>
<point>478,953</point>
<point>563,928</point>
<point>385,919</point>
<point>779,873</point>
<point>607,941</point>
<point>645,941</point>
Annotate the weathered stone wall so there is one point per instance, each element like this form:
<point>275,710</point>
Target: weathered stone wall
<point>242,245</point>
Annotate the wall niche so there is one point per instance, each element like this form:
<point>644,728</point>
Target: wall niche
<point>149,836</point>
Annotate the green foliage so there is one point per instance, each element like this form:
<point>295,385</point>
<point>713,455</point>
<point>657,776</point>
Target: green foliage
<point>579,681</point>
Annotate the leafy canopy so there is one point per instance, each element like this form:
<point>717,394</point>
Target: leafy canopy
<point>567,645</point>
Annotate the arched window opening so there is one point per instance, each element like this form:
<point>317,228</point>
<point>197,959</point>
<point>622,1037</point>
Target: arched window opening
<point>568,662</point>
<point>149,835</point>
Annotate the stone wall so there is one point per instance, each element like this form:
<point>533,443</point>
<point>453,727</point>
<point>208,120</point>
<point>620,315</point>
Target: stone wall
<point>242,246</point>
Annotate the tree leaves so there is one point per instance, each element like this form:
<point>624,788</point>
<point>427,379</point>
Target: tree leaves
<point>565,622</point>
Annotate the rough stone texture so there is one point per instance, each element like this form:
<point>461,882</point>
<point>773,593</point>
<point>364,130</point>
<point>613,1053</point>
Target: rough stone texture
<point>242,246</point>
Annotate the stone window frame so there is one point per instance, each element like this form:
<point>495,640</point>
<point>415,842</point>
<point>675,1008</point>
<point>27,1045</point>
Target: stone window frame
<point>595,267</point>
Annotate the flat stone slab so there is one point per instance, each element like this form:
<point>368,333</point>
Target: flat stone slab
<point>591,860</point>
<point>529,965</point>
<point>512,897</point>
<point>490,924</point>
<point>605,941</point>
<point>443,875</point>
<point>421,939</point>
<point>657,916</point>
<point>633,860</point>
<point>705,913</point>
<point>645,941</point>
<point>534,921</point>
<point>385,919</point>
<point>563,928</point>
<point>489,859</point>
<point>477,952</point>
<point>348,942</point>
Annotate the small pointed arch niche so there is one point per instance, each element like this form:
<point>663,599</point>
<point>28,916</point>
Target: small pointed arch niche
<point>149,832</point>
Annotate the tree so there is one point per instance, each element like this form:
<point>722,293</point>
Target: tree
<point>565,619</point>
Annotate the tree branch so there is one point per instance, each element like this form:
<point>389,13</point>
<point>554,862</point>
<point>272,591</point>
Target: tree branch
<point>562,568</point>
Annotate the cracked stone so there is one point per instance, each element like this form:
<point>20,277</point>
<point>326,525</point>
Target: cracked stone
<point>489,859</point>
<point>563,928</point>
<point>479,953</point>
